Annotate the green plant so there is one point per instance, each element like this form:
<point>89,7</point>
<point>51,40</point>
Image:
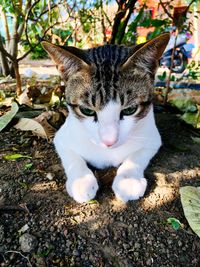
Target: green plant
<point>175,223</point>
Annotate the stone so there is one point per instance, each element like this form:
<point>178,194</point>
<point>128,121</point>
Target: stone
<point>28,242</point>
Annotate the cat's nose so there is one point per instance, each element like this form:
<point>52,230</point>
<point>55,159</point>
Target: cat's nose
<point>109,143</point>
<point>109,134</point>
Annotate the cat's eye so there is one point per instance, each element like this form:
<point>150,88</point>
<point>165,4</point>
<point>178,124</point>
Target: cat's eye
<point>87,111</point>
<point>129,111</point>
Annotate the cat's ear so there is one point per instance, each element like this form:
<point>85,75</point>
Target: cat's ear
<point>147,55</point>
<point>68,62</point>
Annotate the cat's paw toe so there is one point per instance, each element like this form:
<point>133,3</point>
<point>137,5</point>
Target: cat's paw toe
<point>82,189</point>
<point>131,188</point>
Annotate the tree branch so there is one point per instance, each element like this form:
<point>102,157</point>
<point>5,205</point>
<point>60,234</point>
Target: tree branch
<point>21,26</point>
<point>26,21</point>
<point>123,7</point>
<point>165,9</point>
<point>41,38</point>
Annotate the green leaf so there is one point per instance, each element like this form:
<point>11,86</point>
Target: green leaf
<point>163,76</point>
<point>192,118</point>
<point>28,166</point>
<point>15,156</point>
<point>91,202</point>
<point>6,118</point>
<point>173,78</point>
<point>157,22</point>
<point>184,104</point>
<point>190,199</point>
<point>176,224</point>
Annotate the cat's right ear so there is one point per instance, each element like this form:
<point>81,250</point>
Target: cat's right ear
<point>66,62</point>
<point>146,56</point>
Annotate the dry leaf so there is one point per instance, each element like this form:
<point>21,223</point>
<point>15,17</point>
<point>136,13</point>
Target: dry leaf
<point>24,98</point>
<point>39,128</point>
<point>190,199</point>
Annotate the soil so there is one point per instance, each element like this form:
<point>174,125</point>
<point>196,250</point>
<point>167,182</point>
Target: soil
<point>105,232</point>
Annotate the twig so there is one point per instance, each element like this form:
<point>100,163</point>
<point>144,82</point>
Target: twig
<point>165,9</point>
<point>18,252</point>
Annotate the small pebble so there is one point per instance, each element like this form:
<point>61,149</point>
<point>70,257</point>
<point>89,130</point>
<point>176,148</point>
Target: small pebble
<point>50,176</point>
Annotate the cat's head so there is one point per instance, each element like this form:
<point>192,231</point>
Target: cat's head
<point>109,88</point>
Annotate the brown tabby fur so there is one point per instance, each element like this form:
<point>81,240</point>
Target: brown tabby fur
<point>109,72</point>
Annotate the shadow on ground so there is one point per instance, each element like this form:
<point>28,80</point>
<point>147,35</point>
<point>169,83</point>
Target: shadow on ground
<point>104,232</point>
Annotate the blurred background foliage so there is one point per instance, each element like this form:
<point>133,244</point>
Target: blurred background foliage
<point>81,23</point>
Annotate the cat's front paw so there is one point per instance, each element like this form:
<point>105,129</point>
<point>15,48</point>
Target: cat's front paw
<point>129,188</point>
<point>82,189</point>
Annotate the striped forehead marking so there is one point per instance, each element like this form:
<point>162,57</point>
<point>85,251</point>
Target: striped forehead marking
<point>107,60</point>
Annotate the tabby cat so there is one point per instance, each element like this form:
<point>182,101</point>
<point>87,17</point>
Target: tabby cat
<point>110,123</point>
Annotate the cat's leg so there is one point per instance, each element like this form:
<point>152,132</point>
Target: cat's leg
<point>129,183</point>
<point>81,183</point>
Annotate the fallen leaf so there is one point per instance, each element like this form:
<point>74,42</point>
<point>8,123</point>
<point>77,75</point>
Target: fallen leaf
<point>15,156</point>
<point>28,114</point>
<point>38,126</point>
<point>7,79</point>
<point>190,199</point>
<point>6,118</point>
<point>24,98</point>
<point>55,119</point>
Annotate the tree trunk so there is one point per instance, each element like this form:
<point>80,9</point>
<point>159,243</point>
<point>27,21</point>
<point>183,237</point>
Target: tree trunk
<point>15,38</point>
<point>125,20</point>
<point>18,78</point>
<point>5,70</point>
<point>5,26</point>
<point>125,9</point>
<point>4,67</point>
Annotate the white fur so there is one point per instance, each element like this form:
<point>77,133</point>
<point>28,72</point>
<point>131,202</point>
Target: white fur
<point>107,142</point>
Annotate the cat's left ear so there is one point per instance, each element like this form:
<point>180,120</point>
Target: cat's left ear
<point>68,59</point>
<point>147,55</point>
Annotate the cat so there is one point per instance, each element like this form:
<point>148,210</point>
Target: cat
<point>109,92</point>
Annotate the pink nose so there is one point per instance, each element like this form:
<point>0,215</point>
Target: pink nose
<point>109,143</point>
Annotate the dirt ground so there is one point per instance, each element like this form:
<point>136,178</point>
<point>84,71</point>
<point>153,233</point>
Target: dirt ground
<point>35,205</point>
